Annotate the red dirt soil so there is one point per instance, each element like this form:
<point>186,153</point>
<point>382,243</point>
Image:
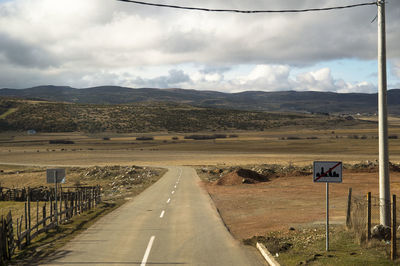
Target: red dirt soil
<point>255,209</point>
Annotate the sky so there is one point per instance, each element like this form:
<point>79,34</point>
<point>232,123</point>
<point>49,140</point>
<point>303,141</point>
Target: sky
<point>106,42</point>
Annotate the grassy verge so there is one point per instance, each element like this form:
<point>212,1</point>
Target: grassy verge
<point>47,244</point>
<point>307,247</point>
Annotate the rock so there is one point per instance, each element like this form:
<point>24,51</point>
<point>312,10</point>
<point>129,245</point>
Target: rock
<point>381,232</point>
<point>291,229</point>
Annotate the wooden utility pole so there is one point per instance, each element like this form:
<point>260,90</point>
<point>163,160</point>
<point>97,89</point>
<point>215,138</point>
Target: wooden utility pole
<point>384,183</point>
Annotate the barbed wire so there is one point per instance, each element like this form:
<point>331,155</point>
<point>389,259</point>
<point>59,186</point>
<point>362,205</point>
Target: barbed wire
<point>248,11</point>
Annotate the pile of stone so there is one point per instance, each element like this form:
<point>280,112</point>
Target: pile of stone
<point>371,166</point>
<point>120,177</point>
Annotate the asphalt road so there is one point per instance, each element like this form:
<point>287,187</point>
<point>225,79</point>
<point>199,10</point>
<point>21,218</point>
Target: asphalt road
<point>171,223</point>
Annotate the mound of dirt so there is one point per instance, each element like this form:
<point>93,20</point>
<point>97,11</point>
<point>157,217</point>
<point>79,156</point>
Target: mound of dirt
<point>241,176</point>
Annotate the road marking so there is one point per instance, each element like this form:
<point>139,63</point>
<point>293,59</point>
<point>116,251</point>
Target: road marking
<point>147,253</point>
<point>175,186</point>
<point>173,192</point>
<point>162,214</point>
<point>180,174</point>
<point>169,199</point>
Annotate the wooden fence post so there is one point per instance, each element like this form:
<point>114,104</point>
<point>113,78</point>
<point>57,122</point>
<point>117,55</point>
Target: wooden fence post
<point>369,216</point>
<point>76,202</point>
<point>394,229</point>
<point>348,215</point>
<point>71,206</point>
<point>28,235</point>
<point>37,215</point>
<point>66,208</point>
<point>51,210</point>
<point>80,201</point>
<point>44,216</point>
<point>61,202</point>
<point>26,216</point>
<point>2,242</point>
<point>54,212</point>
<point>84,200</point>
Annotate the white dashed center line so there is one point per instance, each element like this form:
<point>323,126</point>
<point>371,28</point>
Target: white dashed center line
<point>173,192</point>
<point>147,253</point>
<point>168,200</point>
<point>162,214</point>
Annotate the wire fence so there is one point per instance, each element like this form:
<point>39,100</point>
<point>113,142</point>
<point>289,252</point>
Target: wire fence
<point>363,218</point>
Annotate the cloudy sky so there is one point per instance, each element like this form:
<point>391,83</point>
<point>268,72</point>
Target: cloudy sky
<point>105,42</point>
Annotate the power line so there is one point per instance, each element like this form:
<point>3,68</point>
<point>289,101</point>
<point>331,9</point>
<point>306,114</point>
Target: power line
<point>248,11</point>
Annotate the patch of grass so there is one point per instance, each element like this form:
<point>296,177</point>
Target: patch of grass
<point>8,112</point>
<point>307,247</point>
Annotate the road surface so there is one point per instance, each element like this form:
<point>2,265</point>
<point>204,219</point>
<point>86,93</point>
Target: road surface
<point>173,222</point>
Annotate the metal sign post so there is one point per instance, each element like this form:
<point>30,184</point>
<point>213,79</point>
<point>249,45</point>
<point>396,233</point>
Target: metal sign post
<point>55,192</point>
<point>327,216</point>
<point>55,176</point>
<point>327,172</point>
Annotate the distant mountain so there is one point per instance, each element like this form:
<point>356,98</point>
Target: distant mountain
<point>294,101</point>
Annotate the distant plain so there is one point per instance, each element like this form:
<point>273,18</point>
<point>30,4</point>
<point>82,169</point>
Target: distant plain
<point>296,145</point>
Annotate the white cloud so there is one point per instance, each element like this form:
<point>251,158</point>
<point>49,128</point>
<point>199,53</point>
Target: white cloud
<point>93,41</point>
<point>319,80</point>
<point>395,68</point>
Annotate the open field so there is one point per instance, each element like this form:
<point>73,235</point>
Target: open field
<point>283,145</point>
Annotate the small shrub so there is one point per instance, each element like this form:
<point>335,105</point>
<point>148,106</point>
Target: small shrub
<point>293,138</point>
<point>106,138</point>
<point>393,137</point>
<point>144,138</point>
<point>353,137</point>
<point>61,141</point>
<point>233,136</point>
<point>175,138</point>
<point>312,137</point>
<point>200,137</point>
<point>364,137</point>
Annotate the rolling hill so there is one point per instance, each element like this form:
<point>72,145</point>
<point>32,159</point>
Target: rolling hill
<point>292,101</point>
<point>46,116</point>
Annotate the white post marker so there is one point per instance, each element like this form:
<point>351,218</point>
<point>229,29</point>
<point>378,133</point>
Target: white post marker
<point>327,172</point>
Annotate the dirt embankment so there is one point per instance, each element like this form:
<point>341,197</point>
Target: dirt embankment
<point>241,176</point>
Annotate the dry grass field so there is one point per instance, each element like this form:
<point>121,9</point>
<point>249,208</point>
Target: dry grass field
<point>281,145</point>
